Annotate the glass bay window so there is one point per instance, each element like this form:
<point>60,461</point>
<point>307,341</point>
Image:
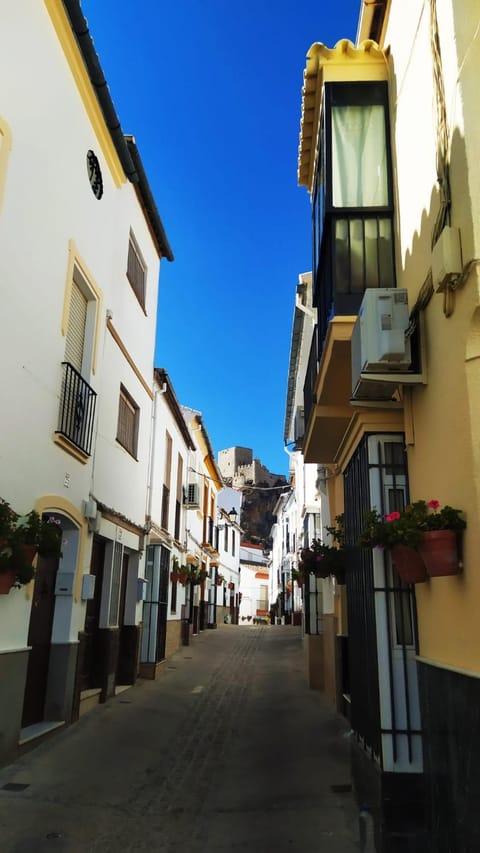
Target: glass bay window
<point>352,199</point>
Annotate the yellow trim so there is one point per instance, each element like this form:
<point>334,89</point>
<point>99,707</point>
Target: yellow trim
<point>210,466</point>
<point>344,62</point>
<point>56,503</point>
<point>70,448</point>
<point>75,260</point>
<point>116,337</point>
<point>5,148</point>
<point>368,420</point>
<point>86,91</point>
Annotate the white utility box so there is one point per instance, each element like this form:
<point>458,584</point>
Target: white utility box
<point>446,258</point>
<point>379,341</point>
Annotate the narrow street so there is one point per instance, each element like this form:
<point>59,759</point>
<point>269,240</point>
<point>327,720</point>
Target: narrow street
<point>228,750</point>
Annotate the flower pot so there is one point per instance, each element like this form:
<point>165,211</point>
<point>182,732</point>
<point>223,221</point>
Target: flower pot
<point>30,552</point>
<point>439,552</point>
<point>409,564</point>
<point>7,579</point>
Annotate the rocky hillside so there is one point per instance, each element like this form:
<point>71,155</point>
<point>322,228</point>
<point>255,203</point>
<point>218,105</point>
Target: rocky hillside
<point>256,517</point>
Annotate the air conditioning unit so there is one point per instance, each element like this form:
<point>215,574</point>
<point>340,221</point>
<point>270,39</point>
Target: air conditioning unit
<point>192,495</point>
<point>298,427</point>
<point>379,343</point>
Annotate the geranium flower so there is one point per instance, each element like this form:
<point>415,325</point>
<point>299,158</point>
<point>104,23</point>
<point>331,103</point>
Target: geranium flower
<point>393,516</point>
<point>433,504</point>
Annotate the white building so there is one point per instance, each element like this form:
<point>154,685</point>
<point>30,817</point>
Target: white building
<point>80,246</point>
<point>165,597</point>
<point>254,577</point>
<point>204,482</point>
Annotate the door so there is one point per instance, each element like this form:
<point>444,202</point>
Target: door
<point>162,603</point>
<point>39,638</point>
<point>124,640</point>
<point>91,676</point>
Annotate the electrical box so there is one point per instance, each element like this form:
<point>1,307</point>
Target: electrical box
<point>88,587</point>
<point>446,258</point>
<point>379,341</point>
<point>64,583</point>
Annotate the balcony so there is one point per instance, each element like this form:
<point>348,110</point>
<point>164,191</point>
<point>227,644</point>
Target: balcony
<point>77,409</point>
<point>356,253</point>
<point>210,535</point>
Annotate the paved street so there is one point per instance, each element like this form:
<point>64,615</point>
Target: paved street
<point>228,751</point>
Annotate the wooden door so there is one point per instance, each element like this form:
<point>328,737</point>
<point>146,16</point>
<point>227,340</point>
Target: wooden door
<point>123,675</point>
<point>91,674</point>
<point>39,638</point>
<point>162,603</point>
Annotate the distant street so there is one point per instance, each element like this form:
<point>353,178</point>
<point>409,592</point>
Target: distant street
<point>227,751</point>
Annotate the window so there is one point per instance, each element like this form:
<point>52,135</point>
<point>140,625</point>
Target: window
<point>233,543</point>
<point>225,541</point>
<point>136,271</point>
<point>178,502</point>
<point>128,418</point>
<point>166,482</point>
<point>77,398</point>
<point>352,210</point>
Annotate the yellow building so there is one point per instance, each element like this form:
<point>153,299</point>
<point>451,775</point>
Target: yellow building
<point>388,153</point>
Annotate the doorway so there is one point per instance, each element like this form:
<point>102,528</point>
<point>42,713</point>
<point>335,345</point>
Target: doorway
<point>39,639</point>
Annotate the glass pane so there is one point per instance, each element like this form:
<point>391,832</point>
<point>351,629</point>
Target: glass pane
<point>371,253</point>
<point>359,161</point>
<point>385,253</point>
<point>357,260</point>
<point>342,257</point>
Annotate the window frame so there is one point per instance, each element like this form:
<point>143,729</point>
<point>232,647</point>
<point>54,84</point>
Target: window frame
<point>128,399</point>
<point>138,288</point>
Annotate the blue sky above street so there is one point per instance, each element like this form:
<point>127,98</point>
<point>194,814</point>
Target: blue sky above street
<point>211,91</point>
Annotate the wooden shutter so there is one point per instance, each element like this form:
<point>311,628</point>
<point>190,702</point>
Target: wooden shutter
<point>77,318</point>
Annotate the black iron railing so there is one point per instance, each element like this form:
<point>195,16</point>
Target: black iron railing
<point>210,538</point>
<point>77,409</point>
<point>310,380</point>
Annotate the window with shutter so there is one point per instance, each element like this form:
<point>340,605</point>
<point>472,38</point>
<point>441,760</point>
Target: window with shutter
<point>136,271</point>
<point>127,426</point>
<point>77,320</point>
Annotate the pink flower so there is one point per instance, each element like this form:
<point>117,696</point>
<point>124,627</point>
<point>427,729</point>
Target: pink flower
<point>392,517</point>
<point>433,504</point>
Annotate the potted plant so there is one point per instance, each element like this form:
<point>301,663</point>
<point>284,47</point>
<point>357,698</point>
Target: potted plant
<point>324,560</point>
<point>408,535</point>
<point>298,576</point>
<point>196,576</point>
<point>400,533</point>
<point>438,546</point>
<point>219,579</point>
<point>21,538</point>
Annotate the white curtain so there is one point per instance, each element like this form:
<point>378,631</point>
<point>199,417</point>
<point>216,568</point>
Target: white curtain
<point>359,163</point>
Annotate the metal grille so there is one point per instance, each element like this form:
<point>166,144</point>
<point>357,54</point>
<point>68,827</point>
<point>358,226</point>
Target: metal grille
<point>361,607</point>
<point>310,379</point>
<point>77,409</point>
<point>377,476</point>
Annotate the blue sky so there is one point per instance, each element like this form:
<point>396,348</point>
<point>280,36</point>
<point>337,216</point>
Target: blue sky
<point>211,91</point>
